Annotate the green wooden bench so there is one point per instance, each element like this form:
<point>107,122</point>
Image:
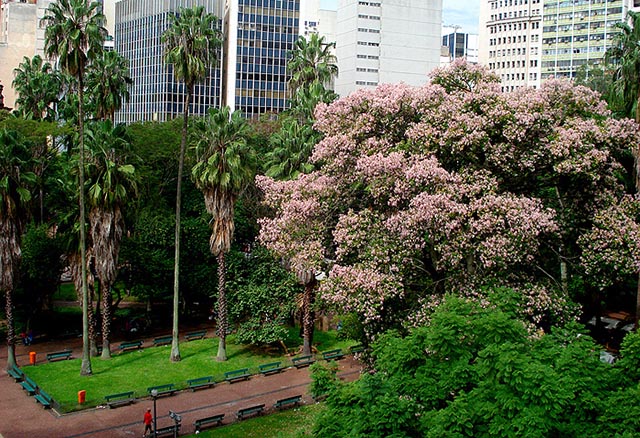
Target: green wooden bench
<point>289,401</point>
<point>172,430</point>
<point>120,399</point>
<point>356,349</point>
<point>236,375</point>
<point>162,340</point>
<point>130,345</point>
<point>270,368</point>
<point>16,373</point>
<point>167,389</point>
<point>29,385</point>
<point>333,354</point>
<point>44,399</point>
<point>195,335</point>
<point>251,410</point>
<point>200,382</point>
<point>302,361</point>
<point>59,355</point>
<point>215,420</point>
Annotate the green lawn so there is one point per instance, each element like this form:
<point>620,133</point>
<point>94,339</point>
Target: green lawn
<point>62,379</point>
<point>292,423</point>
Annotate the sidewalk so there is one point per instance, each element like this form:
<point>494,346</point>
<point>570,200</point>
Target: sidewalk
<point>21,416</point>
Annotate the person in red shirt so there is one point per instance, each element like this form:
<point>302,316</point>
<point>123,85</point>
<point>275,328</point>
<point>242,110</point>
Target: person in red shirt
<point>148,422</point>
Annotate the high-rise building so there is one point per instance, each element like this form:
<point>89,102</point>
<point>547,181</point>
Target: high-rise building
<point>578,33</point>
<point>386,41</point>
<point>155,93</point>
<point>461,45</point>
<point>260,35</point>
<point>510,36</point>
<point>528,41</point>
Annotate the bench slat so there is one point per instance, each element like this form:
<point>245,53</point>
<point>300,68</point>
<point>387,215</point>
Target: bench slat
<point>257,409</point>
<point>120,399</point>
<point>235,375</point>
<point>270,368</point>
<point>200,382</point>
<point>295,400</point>
<point>302,361</point>
<point>167,389</point>
<point>195,335</point>
<point>215,420</point>
<point>59,355</point>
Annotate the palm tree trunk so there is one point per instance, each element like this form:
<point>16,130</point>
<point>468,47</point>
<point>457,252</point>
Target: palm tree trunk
<point>223,322</point>
<point>308,317</point>
<point>175,346</point>
<point>85,368</point>
<point>105,290</point>
<point>11,334</point>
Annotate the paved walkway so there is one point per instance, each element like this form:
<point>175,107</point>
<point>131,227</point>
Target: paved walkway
<point>21,416</point>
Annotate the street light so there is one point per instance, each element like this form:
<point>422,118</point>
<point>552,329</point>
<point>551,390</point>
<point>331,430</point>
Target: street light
<point>154,394</point>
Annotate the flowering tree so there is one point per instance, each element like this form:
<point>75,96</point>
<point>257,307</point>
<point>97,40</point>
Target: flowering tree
<point>446,188</point>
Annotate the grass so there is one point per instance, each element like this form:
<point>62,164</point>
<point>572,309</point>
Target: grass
<point>292,423</point>
<point>122,372</point>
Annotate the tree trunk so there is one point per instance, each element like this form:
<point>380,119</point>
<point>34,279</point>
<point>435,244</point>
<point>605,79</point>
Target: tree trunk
<point>175,345</point>
<point>11,335</point>
<point>308,317</point>
<point>223,322</point>
<point>93,315</point>
<point>85,368</point>
<point>105,291</point>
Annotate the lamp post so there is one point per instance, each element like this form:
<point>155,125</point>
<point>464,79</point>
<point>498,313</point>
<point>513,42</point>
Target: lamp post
<point>154,394</point>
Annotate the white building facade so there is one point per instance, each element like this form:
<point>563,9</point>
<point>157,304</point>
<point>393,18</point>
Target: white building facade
<point>386,41</point>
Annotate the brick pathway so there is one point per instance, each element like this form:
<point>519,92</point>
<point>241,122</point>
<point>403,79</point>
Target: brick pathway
<point>21,416</point>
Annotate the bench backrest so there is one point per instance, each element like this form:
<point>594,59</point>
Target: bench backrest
<point>46,396</point>
<point>29,381</point>
<point>161,387</point>
<point>127,394</point>
<point>200,380</point>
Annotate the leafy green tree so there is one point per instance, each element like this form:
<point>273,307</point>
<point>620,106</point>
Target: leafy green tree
<point>224,168</point>
<point>39,88</point>
<point>291,149</point>
<point>112,183</point>
<point>16,181</point>
<point>262,296</point>
<point>475,371</point>
<point>191,48</point>
<point>108,82</point>
<point>74,34</point>
<point>624,54</point>
<point>312,60</point>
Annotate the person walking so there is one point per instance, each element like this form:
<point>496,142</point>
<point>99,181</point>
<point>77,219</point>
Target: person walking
<point>148,422</point>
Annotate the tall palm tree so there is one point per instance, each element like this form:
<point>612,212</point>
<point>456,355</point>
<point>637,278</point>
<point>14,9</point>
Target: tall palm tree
<point>291,148</point>
<point>108,82</point>
<point>111,182</point>
<point>74,34</point>
<point>39,88</point>
<point>625,54</point>
<point>311,61</point>
<point>191,48</point>
<point>15,181</point>
<point>224,168</point>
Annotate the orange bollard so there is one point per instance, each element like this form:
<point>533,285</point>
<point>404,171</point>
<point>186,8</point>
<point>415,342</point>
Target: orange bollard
<point>82,396</point>
<point>32,357</point>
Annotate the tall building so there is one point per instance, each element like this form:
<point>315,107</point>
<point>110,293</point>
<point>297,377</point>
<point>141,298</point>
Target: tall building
<point>155,94</point>
<point>510,38</point>
<point>386,41</point>
<point>259,37</point>
<point>578,33</point>
<point>461,45</point>
<point>20,35</point>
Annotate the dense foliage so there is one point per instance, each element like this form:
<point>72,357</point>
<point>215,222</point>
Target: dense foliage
<point>476,371</point>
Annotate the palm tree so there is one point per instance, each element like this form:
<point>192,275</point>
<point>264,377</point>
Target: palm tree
<point>311,61</point>
<point>291,148</point>
<point>74,34</point>
<point>191,48</point>
<point>15,181</point>
<point>224,168</point>
<point>625,54</point>
<point>108,82</point>
<point>111,182</point>
<point>38,87</point>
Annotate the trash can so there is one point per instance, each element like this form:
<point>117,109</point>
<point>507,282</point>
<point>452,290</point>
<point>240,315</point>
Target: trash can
<point>32,357</point>
<point>82,396</point>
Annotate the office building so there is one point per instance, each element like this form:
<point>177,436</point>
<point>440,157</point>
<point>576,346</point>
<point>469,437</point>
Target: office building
<point>260,35</point>
<point>510,38</point>
<point>386,41</point>
<point>155,94</point>
<point>461,45</point>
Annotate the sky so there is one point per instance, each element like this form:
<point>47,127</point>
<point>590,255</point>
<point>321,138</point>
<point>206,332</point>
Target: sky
<point>463,13</point>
